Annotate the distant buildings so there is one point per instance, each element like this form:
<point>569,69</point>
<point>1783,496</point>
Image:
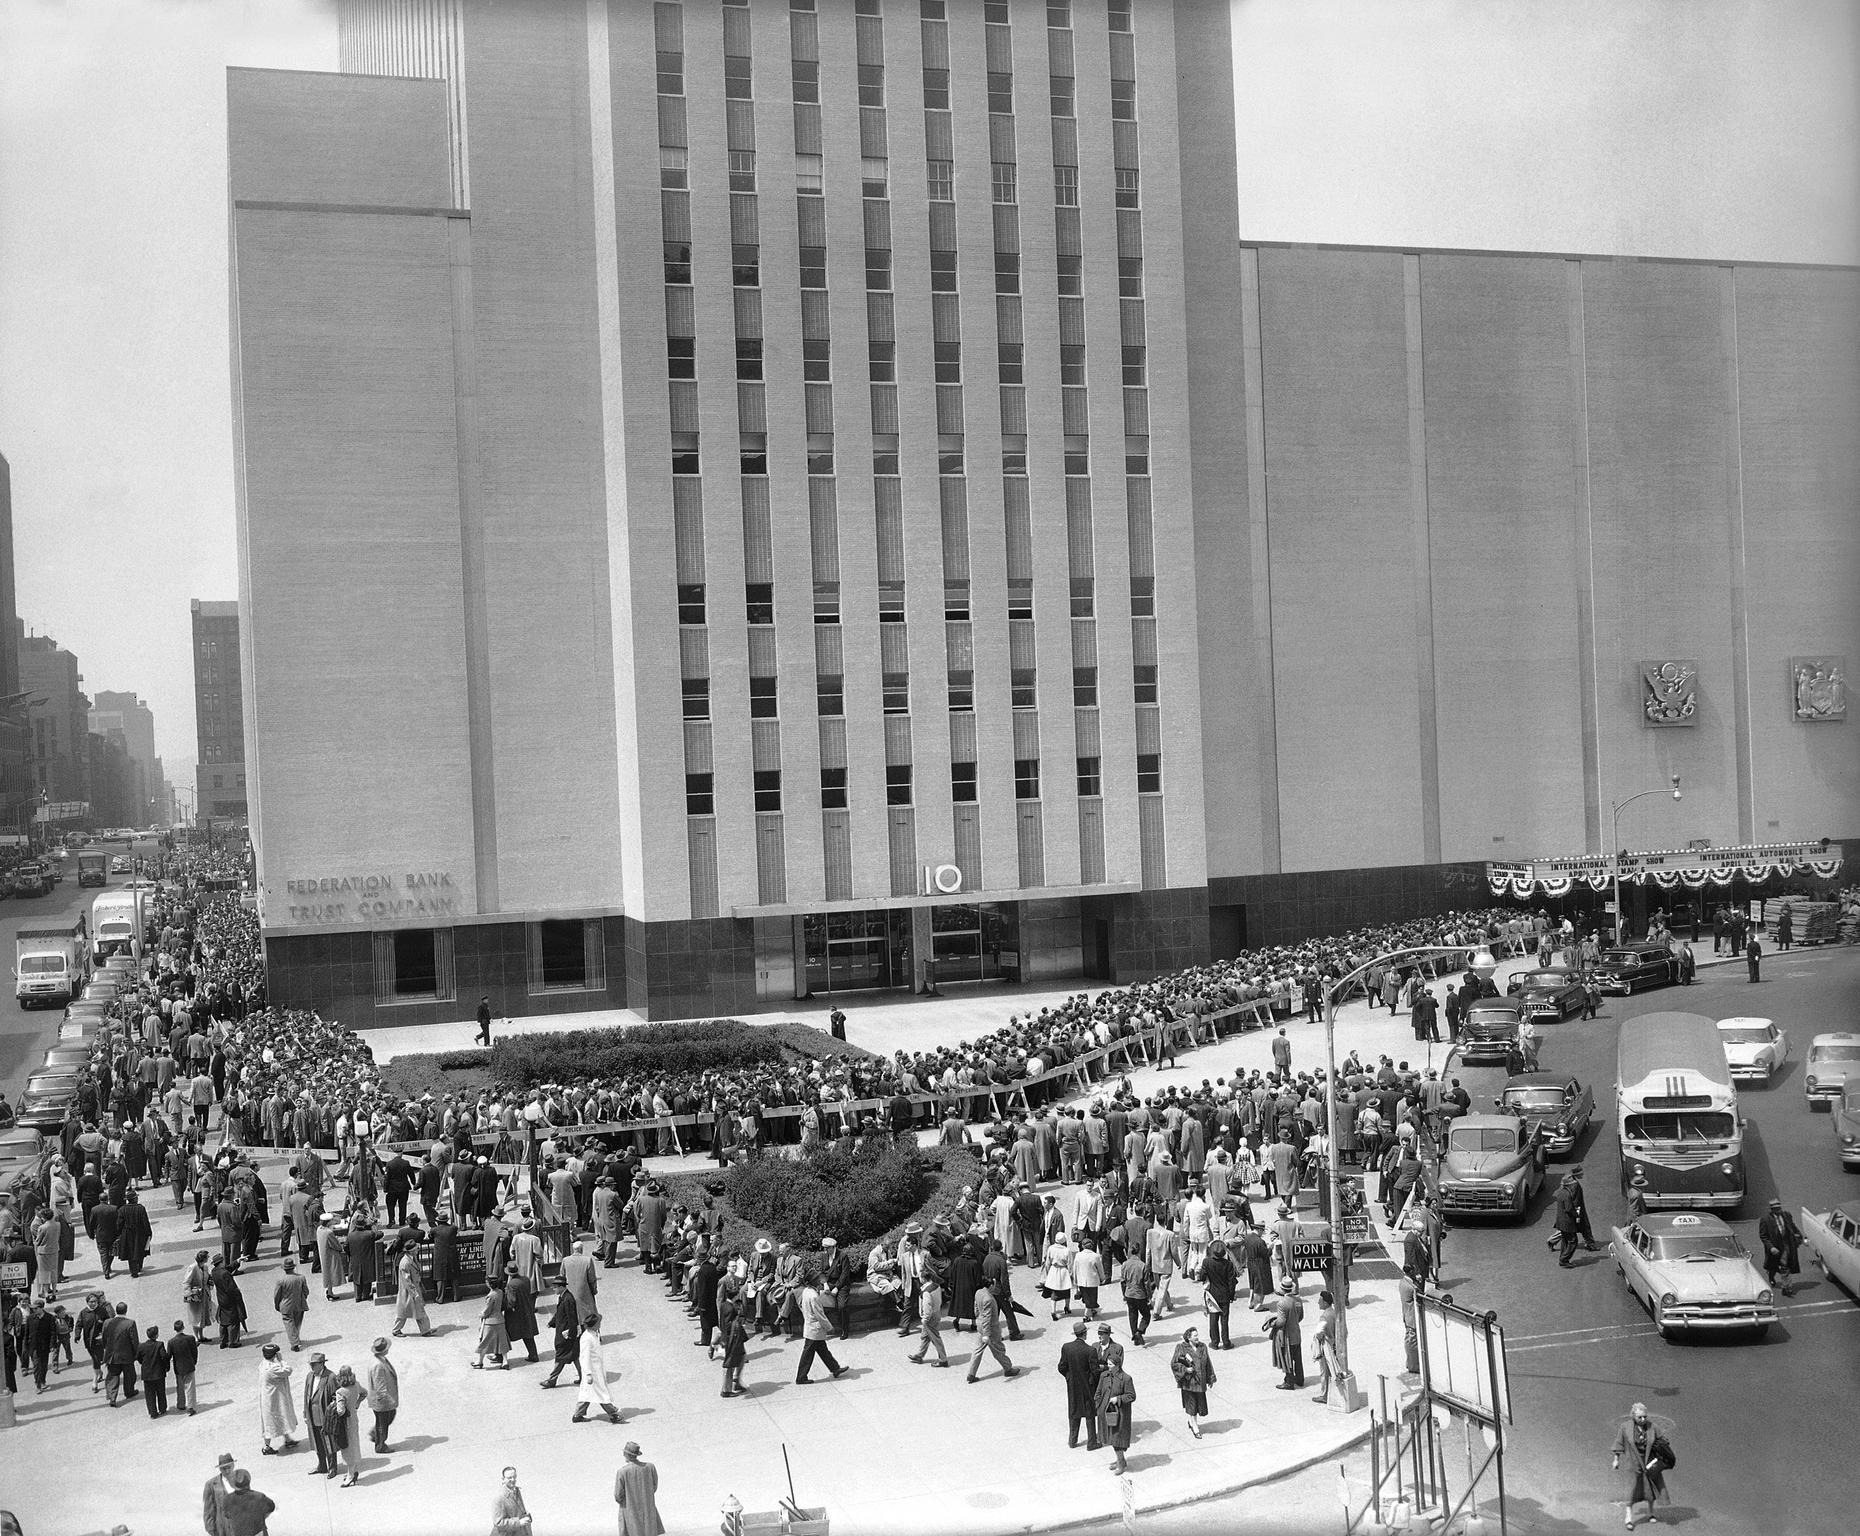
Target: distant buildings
<point>57,719</point>
<point>219,773</point>
<point>14,784</point>
<point>126,713</point>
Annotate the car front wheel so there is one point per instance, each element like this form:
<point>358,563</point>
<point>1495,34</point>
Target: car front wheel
<point>1627,989</point>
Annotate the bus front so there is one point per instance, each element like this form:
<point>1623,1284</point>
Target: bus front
<point>1683,1145</point>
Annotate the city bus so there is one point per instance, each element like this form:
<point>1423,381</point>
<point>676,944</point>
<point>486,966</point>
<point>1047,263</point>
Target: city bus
<point>1682,1143</point>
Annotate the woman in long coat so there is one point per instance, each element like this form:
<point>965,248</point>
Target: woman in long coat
<point>493,1340</point>
<point>228,1303</point>
<point>1649,1454</point>
<point>965,1277</point>
<point>520,1311</point>
<point>1193,1369</point>
<point>1117,1394</point>
<point>347,1406</point>
<point>277,1413</point>
<point>197,1295</point>
<point>48,1247</point>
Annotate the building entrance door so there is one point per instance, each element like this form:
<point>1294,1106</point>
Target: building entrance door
<point>857,951</point>
<point>975,942</point>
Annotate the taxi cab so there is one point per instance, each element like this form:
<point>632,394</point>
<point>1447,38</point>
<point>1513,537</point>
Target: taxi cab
<point>1688,1269</point>
<point>1833,1061</point>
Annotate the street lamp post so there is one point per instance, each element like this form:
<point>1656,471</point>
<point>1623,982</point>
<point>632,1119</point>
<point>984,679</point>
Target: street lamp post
<point>1614,841</point>
<point>1338,1265</point>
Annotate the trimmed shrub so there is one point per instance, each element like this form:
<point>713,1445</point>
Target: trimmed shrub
<point>849,1195</point>
<point>522,1061</point>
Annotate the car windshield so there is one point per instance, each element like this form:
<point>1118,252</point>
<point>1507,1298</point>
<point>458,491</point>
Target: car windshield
<point>1482,1138</point>
<point>1621,957</point>
<point>1681,1125</point>
<point>1835,1053</point>
<point>1535,1098</point>
<point>1757,1036</point>
<point>1547,979</point>
<point>39,965</point>
<point>1700,1245</point>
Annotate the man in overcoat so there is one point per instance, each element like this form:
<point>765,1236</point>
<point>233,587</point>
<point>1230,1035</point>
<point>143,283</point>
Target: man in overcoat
<point>1080,1364</point>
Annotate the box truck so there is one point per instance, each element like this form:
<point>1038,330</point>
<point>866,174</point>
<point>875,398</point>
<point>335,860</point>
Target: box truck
<point>50,965</point>
<point>116,919</point>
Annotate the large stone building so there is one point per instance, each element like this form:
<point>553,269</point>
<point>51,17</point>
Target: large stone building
<point>57,719</point>
<point>17,791</point>
<point>742,500</point>
<point>219,719</point>
<point>113,712</point>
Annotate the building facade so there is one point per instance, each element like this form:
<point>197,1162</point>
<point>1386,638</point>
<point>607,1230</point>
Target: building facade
<point>744,501</point>
<point>57,719</point>
<point>219,716</point>
<point>16,787</point>
<point>126,713</point>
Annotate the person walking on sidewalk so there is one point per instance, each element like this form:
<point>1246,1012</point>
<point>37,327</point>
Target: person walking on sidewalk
<point>1080,1365</point>
<point>988,1335</point>
<point>1781,1239</point>
<point>291,1299</point>
<point>1649,1455</point>
<point>1572,1220</point>
<point>1117,1395</point>
<point>410,1293</point>
<point>484,1022</point>
<point>1133,1277</point>
<point>1753,957</point>
<point>816,1329</point>
<point>277,1414</point>
<point>566,1324</point>
<point>383,1394</point>
<point>509,1515</point>
<point>930,1312</point>
<point>636,1488</point>
<point>184,1356</point>
<point>1288,1315</point>
<point>593,1387</point>
<point>1193,1369</point>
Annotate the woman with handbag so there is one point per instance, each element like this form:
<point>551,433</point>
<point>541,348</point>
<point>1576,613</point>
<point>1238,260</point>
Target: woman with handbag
<point>1193,1369</point>
<point>197,1296</point>
<point>1117,1394</point>
<point>345,1426</point>
<point>1056,1275</point>
<point>1649,1454</point>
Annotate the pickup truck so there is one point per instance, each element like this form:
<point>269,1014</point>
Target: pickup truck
<point>31,879</point>
<point>50,965</point>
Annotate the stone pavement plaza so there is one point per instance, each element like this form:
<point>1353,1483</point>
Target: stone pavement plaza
<point>888,1447</point>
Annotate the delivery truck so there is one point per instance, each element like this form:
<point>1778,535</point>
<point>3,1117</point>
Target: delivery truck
<point>116,919</point>
<point>93,867</point>
<point>50,965</point>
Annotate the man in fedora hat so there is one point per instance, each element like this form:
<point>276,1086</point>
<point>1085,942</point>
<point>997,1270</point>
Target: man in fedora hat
<point>218,1488</point>
<point>636,1486</point>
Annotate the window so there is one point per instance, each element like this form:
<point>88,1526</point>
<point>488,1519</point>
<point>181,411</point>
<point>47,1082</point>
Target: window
<point>1020,597</point>
<point>1062,95</point>
<point>1000,91</point>
<point>700,794</point>
<point>1124,100</point>
<point>1145,680</point>
<point>1059,13</point>
<point>995,12</point>
<point>876,173</point>
<point>1127,187</point>
<point>807,175</point>
<point>896,688</point>
<point>826,602</point>
<point>752,451</point>
<point>871,85</point>
<point>1091,777</point>
<point>1026,778</point>
<point>684,453</point>
<point>1136,454</point>
<point>671,73</point>
<point>691,602</point>
<point>1007,271</point>
<point>1066,186</point>
<point>942,271</point>
<point>1135,372</point>
<point>1082,597</point>
<point>868,7</point>
<point>759,602</point>
<point>768,789</point>
<point>1004,182</point>
<point>897,784</point>
<point>932,10</point>
<point>833,789</point>
<point>742,170</point>
<point>816,360</point>
<point>1084,687</point>
<point>681,357</point>
<point>1078,454</point>
<point>416,963</point>
<point>1072,362</point>
<point>677,263</point>
<point>801,5</point>
<point>948,362</point>
<point>1013,452</point>
<point>891,602</point>
<point>962,783</point>
<point>877,270</point>
<point>1117,13</point>
<point>1010,355</point>
<point>936,90</point>
<point>949,453</point>
<point>1149,773</point>
<point>961,691</point>
<point>674,167</point>
<point>806,76</point>
<point>1143,597</point>
<point>746,266</point>
<point>882,361</point>
<point>1021,692</point>
<point>941,176</point>
<point>749,357</point>
<point>737,78</point>
<point>1071,279</point>
<point>956,599</point>
<point>884,453</point>
<point>813,266</point>
<point>762,698</point>
<point>820,453</point>
<point>1130,277</point>
<point>830,694</point>
<point>697,698</point>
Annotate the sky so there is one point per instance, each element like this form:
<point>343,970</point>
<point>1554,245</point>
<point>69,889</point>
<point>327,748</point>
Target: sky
<point>1718,129</point>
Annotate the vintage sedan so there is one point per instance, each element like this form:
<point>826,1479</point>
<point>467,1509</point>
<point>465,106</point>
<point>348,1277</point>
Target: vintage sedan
<point>1753,1048</point>
<point>1555,992</point>
<point>1847,1124</point>
<point>46,1096</point>
<point>1689,1271</point>
<point>1634,967</point>
<point>1552,1104</point>
<point>1833,1238</point>
<point>1833,1062</point>
<point>1492,1166</point>
<point>1489,1030</point>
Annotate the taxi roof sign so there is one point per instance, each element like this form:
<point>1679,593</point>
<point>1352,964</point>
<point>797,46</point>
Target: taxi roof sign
<point>1686,1221</point>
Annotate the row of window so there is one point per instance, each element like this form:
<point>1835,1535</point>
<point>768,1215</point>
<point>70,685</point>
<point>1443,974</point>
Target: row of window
<point>882,362</point>
<point>746,272</point>
<point>895,692</point>
<point>875,178</point>
<point>759,600</point>
<point>701,794</point>
<point>753,453</point>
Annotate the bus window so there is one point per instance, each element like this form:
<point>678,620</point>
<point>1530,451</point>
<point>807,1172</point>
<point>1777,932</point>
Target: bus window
<point>1683,1125</point>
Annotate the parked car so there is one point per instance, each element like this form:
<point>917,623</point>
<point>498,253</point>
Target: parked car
<point>1489,1030</point>
<point>1552,993</point>
<point>1833,1062</point>
<point>1688,1270</point>
<point>1753,1048</point>
<point>66,1055</point>
<point>119,865</point>
<point>1833,1238</point>
<point>20,1143</point>
<point>1553,1104</point>
<point>1634,967</point>
<point>1493,1166</point>
<point>46,1096</point>
<point>1847,1125</point>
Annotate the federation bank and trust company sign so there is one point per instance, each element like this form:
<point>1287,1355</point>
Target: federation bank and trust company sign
<point>420,896</point>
